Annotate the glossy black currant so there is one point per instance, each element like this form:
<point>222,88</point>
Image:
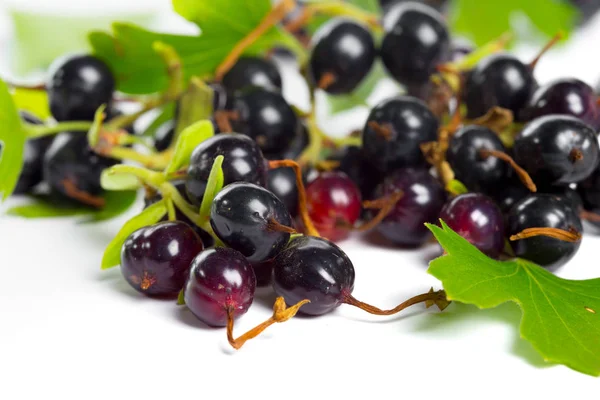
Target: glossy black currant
<point>416,41</point>
<point>315,269</point>
<point>557,150</point>
<point>469,165</point>
<point>246,218</point>
<point>404,123</point>
<point>282,183</point>
<point>345,50</point>
<point>77,86</point>
<point>243,161</point>
<point>359,169</point>
<point>33,156</point>
<point>544,211</point>
<point>252,71</point>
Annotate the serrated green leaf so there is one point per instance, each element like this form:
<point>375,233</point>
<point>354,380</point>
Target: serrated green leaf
<point>187,141</point>
<point>483,21</point>
<point>149,216</point>
<point>44,206</point>
<point>140,70</point>
<point>561,317</point>
<point>12,143</point>
<point>213,186</point>
<point>32,100</point>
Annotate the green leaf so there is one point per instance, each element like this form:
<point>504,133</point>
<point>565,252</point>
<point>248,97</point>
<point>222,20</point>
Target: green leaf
<point>44,206</point>
<point>187,141</point>
<point>195,104</point>
<point>12,142</point>
<point>111,181</point>
<point>34,101</point>
<point>149,216</point>
<point>561,317</point>
<point>483,21</point>
<point>140,70</point>
<point>180,298</point>
<point>213,186</point>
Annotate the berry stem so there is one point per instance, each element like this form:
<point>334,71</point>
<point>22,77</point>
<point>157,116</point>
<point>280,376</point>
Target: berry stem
<point>430,298</point>
<point>223,119</point>
<point>302,203</point>
<point>338,8</point>
<point>382,131</point>
<point>157,161</point>
<point>82,196</point>
<point>589,216</point>
<point>326,80</point>
<point>557,38</point>
<point>567,236</point>
<point>385,205</point>
<point>170,208</point>
<point>271,19</point>
<point>35,131</point>
<point>281,313</point>
<point>521,173</point>
<point>276,226</point>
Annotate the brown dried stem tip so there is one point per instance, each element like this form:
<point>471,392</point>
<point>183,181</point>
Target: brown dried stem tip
<point>430,298</point>
<point>384,204</point>
<point>558,37</point>
<point>326,80</point>
<point>223,119</point>
<point>276,226</point>
<point>281,313</point>
<point>383,131</point>
<point>567,236</point>
<point>82,196</point>
<point>521,173</point>
<point>575,155</point>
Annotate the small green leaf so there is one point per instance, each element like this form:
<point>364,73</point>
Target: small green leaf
<point>196,104</point>
<point>12,142</point>
<point>180,298</point>
<point>167,113</point>
<point>561,317</point>
<point>213,186</point>
<point>187,141</point>
<point>45,206</point>
<point>149,216</point>
<point>34,101</point>
<point>111,181</point>
<point>456,187</point>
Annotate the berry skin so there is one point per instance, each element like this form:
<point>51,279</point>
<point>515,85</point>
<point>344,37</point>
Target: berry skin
<point>252,71</point>
<point>507,193</point>
<point>544,211</point>
<point>478,219</point>
<point>248,218</point>
<point>416,41</point>
<point>422,200</point>
<point>557,150</point>
<point>33,156</point>
<point>296,147</point>
<point>334,204</point>
<point>219,279</point>
<point>155,260</point>
<point>566,97</point>
<point>394,131</point>
<point>589,190</point>
<point>282,183</point>
<point>353,163</point>
<point>499,80</point>
<point>77,86</point>
<point>469,166</point>
<point>163,137</point>
<point>71,167</point>
<point>266,117</point>
<point>243,162</point>
<point>344,49</point>
<point>315,269</point>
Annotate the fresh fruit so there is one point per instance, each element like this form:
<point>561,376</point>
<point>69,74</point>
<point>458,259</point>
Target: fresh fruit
<point>155,260</point>
<point>252,220</point>
<point>342,54</point>
<point>243,162</point>
<point>353,163</point>
<point>33,156</point>
<point>77,86</point>
<point>252,71</point>
<point>219,281</point>
<point>282,183</point>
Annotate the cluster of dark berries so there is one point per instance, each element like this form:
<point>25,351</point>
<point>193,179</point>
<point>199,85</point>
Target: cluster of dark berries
<point>513,169</point>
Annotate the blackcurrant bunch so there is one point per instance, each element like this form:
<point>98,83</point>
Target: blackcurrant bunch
<point>342,54</point>
<point>252,71</point>
<point>282,183</point>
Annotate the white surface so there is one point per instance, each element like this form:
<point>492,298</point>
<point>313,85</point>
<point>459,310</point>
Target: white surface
<point>71,331</point>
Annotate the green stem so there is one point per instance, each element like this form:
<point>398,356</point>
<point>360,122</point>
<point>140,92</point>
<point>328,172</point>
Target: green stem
<point>158,161</point>
<point>152,178</point>
<point>170,208</point>
<point>338,8</point>
<point>35,131</point>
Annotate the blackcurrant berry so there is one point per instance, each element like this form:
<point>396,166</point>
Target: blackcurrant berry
<point>342,54</point>
<point>77,86</point>
<point>252,71</point>
<point>266,117</point>
<point>557,150</point>
<point>282,183</point>
<point>155,260</point>
<point>478,219</point>
<point>219,280</point>
<point>469,165</point>
<point>353,163</point>
<point>394,132</point>
<point>315,269</point>
<point>544,211</point>
<point>416,41</point>
<point>72,169</point>
<point>589,189</point>
<point>334,204</point>
<point>163,137</point>
<point>567,97</point>
<point>499,80</point>
<point>422,200</point>
<point>250,219</point>
<point>296,147</point>
<point>33,156</point>
<point>507,193</point>
<point>243,161</point>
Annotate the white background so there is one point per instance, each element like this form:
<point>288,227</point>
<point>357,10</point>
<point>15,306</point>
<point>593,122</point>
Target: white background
<point>71,331</point>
